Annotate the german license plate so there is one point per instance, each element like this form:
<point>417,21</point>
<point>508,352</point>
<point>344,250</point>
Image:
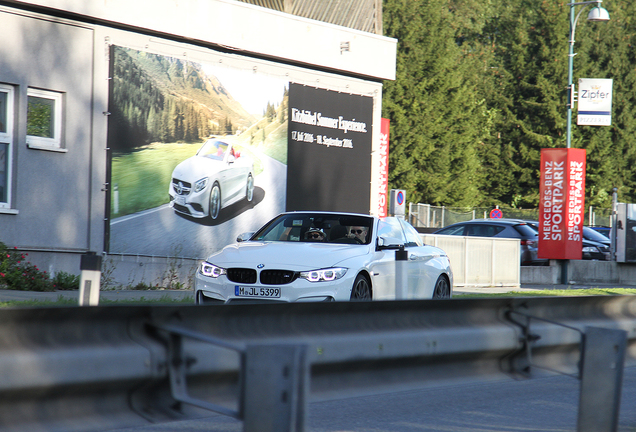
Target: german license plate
<point>261,292</point>
<point>179,200</point>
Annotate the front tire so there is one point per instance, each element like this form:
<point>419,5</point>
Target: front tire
<point>249,191</point>
<point>442,288</point>
<point>215,201</point>
<point>361,290</point>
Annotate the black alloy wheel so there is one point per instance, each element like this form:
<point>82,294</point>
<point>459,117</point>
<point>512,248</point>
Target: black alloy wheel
<point>442,288</point>
<point>361,290</point>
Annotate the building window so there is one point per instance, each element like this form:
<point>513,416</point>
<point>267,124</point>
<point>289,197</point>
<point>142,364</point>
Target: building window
<point>6,139</point>
<point>44,119</point>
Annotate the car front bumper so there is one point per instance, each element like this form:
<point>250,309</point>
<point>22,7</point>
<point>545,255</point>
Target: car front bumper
<point>300,290</point>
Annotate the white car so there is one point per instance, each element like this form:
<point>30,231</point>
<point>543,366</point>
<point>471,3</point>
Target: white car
<point>216,177</point>
<point>324,256</point>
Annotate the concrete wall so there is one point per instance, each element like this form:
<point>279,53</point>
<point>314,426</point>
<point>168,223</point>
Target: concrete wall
<point>581,272</point>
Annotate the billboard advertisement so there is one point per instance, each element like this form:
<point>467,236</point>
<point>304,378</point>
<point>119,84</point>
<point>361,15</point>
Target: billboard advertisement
<point>201,153</point>
<point>561,203</point>
<point>198,154</point>
<point>329,150</point>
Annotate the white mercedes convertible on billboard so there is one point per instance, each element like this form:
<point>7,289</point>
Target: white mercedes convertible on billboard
<point>324,256</point>
<point>216,177</point>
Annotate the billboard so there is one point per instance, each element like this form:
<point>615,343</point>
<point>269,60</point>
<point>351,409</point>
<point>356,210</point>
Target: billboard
<point>329,150</point>
<point>171,194</point>
<point>561,203</point>
<point>200,153</point>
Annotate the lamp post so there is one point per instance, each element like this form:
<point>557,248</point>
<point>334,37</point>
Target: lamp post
<point>597,13</point>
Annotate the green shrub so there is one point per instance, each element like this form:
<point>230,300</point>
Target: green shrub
<point>142,286</point>
<point>66,281</point>
<point>17,273</point>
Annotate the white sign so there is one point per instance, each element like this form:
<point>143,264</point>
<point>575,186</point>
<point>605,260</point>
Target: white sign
<point>595,102</point>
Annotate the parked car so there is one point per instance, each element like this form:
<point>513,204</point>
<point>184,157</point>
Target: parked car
<point>507,228</point>
<point>595,246</point>
<point>216,177</point>
<point>324,256</point>
<point>606,231</point>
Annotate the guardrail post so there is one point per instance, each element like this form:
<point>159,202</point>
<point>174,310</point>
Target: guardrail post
<point>603,359</point>
<point>276,384</point>
<point>91,270</point>
<point>401,277</point>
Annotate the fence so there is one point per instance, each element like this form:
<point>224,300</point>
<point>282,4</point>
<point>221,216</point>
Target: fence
<point>479,261</point>
<point>428,216</point>
<point>107,367</point>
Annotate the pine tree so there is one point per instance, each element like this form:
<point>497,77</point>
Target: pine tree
<point>434,110</point>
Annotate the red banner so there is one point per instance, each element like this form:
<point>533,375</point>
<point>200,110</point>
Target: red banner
<point>561,203</point>
<point>384,166</point>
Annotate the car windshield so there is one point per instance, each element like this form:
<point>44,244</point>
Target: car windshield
<point>590,234</point>
<point>213,149</point>
<point>316,227</point>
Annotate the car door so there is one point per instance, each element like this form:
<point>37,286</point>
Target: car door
<point>383,266</point>
<point>422,271</point>
<point>417,279</point>
<point>234,174</point>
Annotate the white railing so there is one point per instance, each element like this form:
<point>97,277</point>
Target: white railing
<point>480,261</point>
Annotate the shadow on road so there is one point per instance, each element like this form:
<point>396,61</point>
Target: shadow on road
<point>230,212</point>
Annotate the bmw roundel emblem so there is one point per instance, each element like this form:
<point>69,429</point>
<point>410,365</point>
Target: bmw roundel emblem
<point>260,266</point>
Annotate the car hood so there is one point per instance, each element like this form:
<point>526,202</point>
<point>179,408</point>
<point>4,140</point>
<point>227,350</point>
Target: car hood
<point>286,255</point>
<point>196,168</point>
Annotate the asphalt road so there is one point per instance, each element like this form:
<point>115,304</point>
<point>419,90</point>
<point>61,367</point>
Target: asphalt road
<point>536,405</point>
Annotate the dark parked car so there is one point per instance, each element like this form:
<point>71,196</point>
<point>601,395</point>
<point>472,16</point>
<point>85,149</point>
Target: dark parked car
<point>606,231</point>
<point>507,228</point>
<point>595,245</point>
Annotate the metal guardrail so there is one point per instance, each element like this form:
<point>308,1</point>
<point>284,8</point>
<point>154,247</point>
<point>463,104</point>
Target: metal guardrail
<point>95,368</point>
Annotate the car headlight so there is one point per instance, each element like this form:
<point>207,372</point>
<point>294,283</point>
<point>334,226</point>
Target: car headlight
<point>324,275</point>
<point>211,270</point>
<point>590,249</point>
<point>199,185</point>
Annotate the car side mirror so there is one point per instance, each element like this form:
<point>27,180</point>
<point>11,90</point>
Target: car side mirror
<point>245,236</point>
<point>386,242</point>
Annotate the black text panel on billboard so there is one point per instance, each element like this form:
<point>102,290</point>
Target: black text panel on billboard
<point>329,150</point>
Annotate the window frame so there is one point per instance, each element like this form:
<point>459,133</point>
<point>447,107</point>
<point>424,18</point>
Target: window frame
<point>44,143</point>
<point>7,138</point>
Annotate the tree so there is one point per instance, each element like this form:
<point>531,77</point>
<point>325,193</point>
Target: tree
<point>434,110</point>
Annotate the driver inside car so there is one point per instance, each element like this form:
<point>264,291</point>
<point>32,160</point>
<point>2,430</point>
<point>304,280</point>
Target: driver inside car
<point>359,233</point>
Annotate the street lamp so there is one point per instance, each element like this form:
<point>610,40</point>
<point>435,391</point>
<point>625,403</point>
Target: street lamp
<point>597,13</point>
